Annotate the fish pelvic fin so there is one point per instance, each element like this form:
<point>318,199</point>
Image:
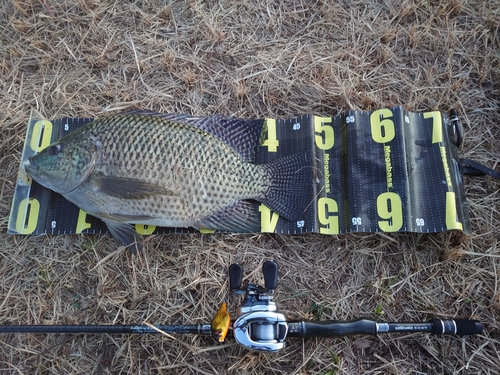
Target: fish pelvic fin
<point>126,234</point>
<point>240,217</point>
<point>291,188</point>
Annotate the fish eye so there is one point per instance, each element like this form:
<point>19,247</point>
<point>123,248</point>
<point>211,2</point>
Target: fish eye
<point>54,150</point>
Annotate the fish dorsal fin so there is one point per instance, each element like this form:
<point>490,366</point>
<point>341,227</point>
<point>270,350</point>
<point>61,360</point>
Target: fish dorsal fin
<point>242,135</point>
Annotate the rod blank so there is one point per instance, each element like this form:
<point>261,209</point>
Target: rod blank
<point>198,329</point>
<point>304,329</point>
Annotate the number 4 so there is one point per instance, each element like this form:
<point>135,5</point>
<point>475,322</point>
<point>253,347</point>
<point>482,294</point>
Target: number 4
<point>271,142</point>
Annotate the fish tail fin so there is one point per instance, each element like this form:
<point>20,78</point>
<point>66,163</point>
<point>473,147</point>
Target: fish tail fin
<point>290,191</point>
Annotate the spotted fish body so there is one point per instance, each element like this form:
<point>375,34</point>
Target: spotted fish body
<point>198,172</point>
<point>173,171</point>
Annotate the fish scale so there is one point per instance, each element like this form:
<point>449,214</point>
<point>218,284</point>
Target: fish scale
<point>147,169</point>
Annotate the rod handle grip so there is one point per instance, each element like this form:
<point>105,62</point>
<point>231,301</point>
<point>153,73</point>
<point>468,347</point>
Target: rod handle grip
<point>459,327</point>
<point>333,328</point>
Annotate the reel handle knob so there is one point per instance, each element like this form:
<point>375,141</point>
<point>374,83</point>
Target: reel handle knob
<point>270,271</point>
<point>235,277</point>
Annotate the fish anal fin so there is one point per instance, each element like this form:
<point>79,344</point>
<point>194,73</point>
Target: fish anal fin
<point>240,217</point>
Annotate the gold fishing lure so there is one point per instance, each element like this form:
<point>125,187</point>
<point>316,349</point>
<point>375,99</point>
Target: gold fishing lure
<point>220,323</point>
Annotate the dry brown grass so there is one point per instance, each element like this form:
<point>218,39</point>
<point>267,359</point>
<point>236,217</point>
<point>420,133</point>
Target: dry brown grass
<point>257,58</point>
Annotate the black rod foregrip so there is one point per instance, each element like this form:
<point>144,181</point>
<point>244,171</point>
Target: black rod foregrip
<point>332,328</point>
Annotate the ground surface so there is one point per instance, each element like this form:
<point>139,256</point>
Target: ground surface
<point>251,59</point>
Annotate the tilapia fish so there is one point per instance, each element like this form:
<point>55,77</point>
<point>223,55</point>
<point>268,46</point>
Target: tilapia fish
<point>172,171</point>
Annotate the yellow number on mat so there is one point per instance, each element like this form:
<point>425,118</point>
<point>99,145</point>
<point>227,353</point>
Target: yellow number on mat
<point>41,135</point>
<point>81,223</point>
<point>27,216</point>
<point>324,137</point>
<point>146,229</point>
<point>437,129</point>
<point>390,208</point>
<point>271,142</point>
<point>382,126</point>
<point>204,231</point>
<point>268,219</point>
<point>451,212</point>
<point>327,216</point>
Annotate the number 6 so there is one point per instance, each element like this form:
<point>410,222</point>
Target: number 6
<point>390,208</point>
<point>382,128</point>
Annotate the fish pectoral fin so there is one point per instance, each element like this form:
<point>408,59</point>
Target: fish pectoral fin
<point>123,218</point>
<point>126,234</point>
<point>128,188</point>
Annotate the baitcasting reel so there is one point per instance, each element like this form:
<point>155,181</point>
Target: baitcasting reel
<point>259,325</point>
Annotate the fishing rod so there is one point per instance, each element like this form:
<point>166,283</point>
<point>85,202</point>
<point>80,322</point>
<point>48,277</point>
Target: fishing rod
<point>259,326</point>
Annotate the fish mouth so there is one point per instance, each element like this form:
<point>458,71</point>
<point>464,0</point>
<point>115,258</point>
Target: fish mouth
<point>33,170</point>
<point>30,166</point>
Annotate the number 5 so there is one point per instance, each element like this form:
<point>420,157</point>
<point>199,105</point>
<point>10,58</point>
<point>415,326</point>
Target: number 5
<point>324,136</point>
